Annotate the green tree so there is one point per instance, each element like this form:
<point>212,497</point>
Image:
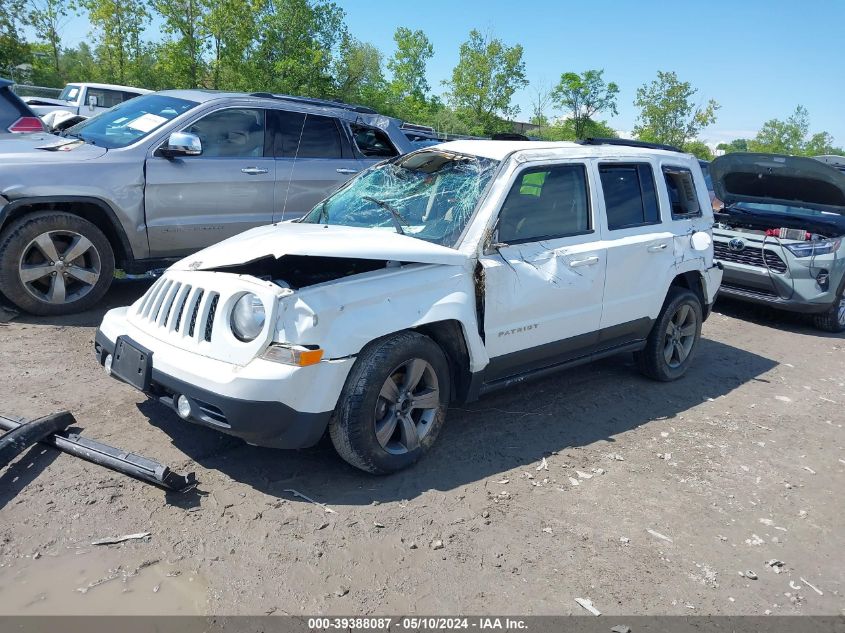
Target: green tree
<point>13,49</point>
<point>232,28</point>
<point>48,18</point>
<point>182,57</point>
<point>118,26</point>
<point>294,48</point>
<point>358,73</point>
<point>699,149</point>
<point>564,130</point>
<point>736,145</point>
<point>408,64</point>
<point>484,81</point>
<point>584,96</point>
<point>792,136</point>
<point>668,113</point>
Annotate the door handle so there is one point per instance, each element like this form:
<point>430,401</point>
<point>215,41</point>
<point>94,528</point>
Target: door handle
<point>587,261</point>
<point>345,170</point>
<point>253,171</point>
<point>656,248</point>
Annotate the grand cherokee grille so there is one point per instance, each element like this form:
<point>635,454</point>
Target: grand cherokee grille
<point>751,256</point>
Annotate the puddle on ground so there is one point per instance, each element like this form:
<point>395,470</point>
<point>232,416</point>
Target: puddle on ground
<point>100,581</point>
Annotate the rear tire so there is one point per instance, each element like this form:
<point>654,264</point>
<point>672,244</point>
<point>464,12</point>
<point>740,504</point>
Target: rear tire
<point>54,263</point>
<point>393,404</point>
<point>834,319</point>
<point>673,339</point>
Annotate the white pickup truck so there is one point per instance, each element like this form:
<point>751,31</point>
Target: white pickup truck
<point>80,101</point>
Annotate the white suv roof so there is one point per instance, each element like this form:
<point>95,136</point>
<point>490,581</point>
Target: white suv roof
<point>498,150</point>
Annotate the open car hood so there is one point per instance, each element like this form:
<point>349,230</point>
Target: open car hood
<point>294,238</point>
<point>776,179</point>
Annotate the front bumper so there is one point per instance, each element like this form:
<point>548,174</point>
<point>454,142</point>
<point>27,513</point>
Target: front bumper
<point>783,291</point>
<point>233,399</point>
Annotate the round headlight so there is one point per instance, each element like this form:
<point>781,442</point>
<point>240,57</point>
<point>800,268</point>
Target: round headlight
<point>248,316</point>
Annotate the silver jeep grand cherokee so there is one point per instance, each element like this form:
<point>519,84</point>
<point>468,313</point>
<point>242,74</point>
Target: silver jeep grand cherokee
<point>164,175</point>
<point>780,234</point>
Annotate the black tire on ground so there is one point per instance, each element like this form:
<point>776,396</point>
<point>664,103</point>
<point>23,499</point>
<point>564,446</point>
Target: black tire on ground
<point>19,235</point>
<point>834,319</point>
<point>353,425</point>
<point>652,360</point>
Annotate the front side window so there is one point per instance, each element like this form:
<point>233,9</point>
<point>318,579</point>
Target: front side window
<point>320,138</point>
<point>629,195</point>
<point>430,195</point>
<point>131,121</point>
<point>231,133</point>
<point>546,202</point>
<point>682,194</point>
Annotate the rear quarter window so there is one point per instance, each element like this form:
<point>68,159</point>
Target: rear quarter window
<point>683,197</point>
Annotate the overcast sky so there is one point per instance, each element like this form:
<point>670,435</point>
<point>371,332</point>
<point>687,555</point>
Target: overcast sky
<point>758,59</point>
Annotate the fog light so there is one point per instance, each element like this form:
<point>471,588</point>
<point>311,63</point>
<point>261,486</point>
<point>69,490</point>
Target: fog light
<point>107,364</point>
<point>823,279</point>
<point>183,407</point>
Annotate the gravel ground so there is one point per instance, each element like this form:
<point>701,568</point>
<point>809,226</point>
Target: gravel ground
<point>652,499</point>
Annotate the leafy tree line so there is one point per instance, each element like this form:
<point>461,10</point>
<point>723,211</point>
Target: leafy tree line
<point>789,136</point>
<point>303,47</point>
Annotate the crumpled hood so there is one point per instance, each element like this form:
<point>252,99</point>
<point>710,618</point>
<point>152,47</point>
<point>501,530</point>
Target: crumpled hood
<point>42,147</point>
<point>295,238</point>
<point>776,179</point>
<point>37,101</point>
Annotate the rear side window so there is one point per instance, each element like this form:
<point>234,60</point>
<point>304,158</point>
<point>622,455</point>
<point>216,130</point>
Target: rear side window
<point>372,142</point>
<point>320,138</point>
<point>682,194</point>
<point>288,129</point>
<point>105,98</point>
<point>629,195</point>
<point>544,203</point>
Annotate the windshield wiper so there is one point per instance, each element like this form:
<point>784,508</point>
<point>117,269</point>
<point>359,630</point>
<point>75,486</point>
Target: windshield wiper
<point>397,218</point>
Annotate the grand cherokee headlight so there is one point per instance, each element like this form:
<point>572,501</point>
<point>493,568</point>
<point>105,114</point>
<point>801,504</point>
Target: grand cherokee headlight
<point>810,249</point>
<point>247,320</point>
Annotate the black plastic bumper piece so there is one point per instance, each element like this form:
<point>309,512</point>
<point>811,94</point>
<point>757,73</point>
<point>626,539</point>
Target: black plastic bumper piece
<point>18,439</point>
<point>258,422</point>
<point>114,458</point>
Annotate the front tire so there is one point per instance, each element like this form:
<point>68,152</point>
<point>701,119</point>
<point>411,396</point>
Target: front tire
<point>393,404</point>
<point>54,263</point>
<point>673,340</point>
<point>834,319</point>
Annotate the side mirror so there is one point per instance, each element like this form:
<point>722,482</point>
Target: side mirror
<point>700,241</point>
<point>92,101</point>
<point>182,144</point>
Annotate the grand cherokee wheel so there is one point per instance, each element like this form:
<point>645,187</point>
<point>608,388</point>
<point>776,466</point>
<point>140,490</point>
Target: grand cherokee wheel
<point>393,404</point>
<point>54,263</point>
<point>674,338</point>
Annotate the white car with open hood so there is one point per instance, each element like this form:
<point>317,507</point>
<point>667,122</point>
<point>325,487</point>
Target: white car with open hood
<point>429,279</point>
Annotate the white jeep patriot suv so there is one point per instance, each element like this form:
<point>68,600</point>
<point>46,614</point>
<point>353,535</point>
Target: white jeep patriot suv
<point>428,279</point>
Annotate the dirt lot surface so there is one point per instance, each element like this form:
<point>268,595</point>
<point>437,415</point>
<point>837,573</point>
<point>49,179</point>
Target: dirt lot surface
<point>651,500</point>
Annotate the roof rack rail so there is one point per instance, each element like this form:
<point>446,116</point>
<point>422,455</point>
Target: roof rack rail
<point>319,102</point>
<point>416,127</point>
<point>629,143</point>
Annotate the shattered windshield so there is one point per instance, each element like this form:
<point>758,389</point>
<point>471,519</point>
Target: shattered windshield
<point>430,195</point>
